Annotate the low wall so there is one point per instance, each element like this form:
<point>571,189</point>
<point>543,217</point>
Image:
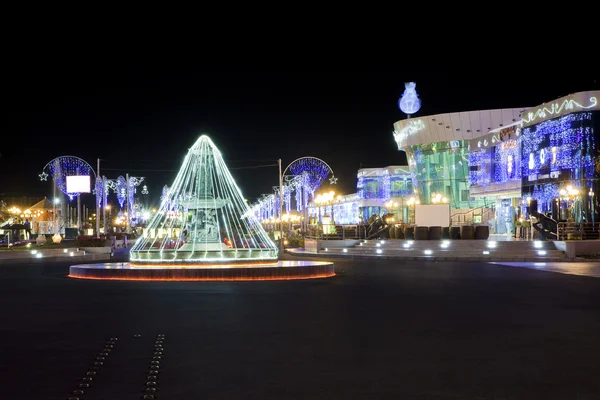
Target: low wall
<point>573,248</point>
<point>97,250</point>
<point>317,245</point>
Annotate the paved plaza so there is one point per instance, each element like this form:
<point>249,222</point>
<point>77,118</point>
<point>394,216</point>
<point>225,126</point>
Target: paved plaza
<point>379,329</point>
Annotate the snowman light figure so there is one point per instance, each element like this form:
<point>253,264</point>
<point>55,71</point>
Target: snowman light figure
<point>409,103</point>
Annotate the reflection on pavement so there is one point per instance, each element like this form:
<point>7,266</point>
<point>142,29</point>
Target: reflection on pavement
<point>572,268</point>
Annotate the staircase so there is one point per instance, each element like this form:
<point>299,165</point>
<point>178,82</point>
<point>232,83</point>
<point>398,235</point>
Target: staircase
<point>452,250</point>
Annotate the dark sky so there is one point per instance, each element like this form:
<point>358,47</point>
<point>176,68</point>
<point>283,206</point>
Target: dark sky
<point>140,119</point>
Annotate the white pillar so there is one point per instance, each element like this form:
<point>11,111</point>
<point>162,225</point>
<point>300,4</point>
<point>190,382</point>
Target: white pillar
<point>98,201</point>
<point>104,205</point>
<point>280,207</point>
<point>128,218</point>
<point>78,214</point>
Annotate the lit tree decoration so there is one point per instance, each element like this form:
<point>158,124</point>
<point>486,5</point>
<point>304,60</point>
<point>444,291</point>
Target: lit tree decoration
<point>203,217</point>
<point>409,103</point>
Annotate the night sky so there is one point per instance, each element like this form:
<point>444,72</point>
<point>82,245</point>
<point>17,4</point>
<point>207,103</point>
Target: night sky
<point>143,119</point>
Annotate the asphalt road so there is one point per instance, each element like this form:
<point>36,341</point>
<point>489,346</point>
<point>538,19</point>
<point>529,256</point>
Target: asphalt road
<point>380,329</point>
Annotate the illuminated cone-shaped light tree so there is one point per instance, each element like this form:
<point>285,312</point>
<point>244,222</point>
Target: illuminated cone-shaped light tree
<point>203,218</point>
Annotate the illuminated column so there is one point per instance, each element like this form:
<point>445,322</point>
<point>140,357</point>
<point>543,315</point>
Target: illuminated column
<point>104,193</point>
<point>98,201</point>
<point>280,206</point>
<point>78,213</point>
<point>127,189</point>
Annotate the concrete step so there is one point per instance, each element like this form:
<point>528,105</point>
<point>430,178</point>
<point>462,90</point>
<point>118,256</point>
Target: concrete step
<point>41,253</point>
<point>456,244</point>
<point>401,251</point>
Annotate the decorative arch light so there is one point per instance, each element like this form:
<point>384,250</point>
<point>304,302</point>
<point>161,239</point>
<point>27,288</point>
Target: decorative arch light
<point>61,167</point>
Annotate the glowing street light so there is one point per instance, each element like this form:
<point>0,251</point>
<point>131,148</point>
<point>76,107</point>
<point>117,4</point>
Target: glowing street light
<point>569,193</point>
<point>437,198</point>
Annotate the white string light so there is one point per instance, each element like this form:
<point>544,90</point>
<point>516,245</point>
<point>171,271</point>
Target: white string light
<point>203,217</point>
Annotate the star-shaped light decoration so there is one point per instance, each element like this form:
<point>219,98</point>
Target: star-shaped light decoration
<point>333,180</point>
<point>43,176</point>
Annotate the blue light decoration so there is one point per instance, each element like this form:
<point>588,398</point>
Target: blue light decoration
<point>316,169</point>
<point>409,103</point>
<point>557,152</point>
<point>544,194</point>
<point>385,189</point>
<point>287,198</point>
<point>480,165</point>
<point>61,167</point>
<point>500,163</point>
<point>134,181</point>
<point>306,175</point>
<point>384,186</point>
<point>105,187</point>
<point>297,182</point>
<point>121,189</point>
<point>562,148</point>
<point>507,161</point>
<point>99,191</point>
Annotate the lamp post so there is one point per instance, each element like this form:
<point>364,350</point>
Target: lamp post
<point>392,206</point>
<point>412,202</point>
<point>437,198</point>
<point>591,195</point>
<point>280,206</point>
<point>56,227</point>
<point>325,199</point>
<point>568,194</point>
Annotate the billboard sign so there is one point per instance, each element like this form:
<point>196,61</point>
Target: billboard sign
<point>78,184</point>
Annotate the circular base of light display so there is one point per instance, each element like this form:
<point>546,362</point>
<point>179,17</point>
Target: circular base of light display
<point>279,270</point>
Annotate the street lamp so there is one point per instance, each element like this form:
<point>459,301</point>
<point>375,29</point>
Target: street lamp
<point>437,198</point>
<point>325,199</point>
<point>392,206</point>
<point>412,202</point>
<point>568,194</point>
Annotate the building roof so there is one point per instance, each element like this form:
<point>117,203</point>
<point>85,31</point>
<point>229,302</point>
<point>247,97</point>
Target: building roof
<point>44,204</point>
<point>452,126</point>
<point>389,170</point>
<point>575,102</point>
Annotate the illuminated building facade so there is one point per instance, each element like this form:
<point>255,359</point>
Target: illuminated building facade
<point>438,150</point>
<point>383,190</point>
<point>378,191</point>
<point>500,159</point>
<point>560,159</point>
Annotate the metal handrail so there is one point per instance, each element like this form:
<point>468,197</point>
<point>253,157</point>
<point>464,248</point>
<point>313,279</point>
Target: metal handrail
<point>485,211</point>
<point>578,231</point>
<point>347,231</point>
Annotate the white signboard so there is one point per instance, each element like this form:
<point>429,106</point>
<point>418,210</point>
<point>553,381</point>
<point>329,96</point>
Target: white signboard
<point>432,215</point>
<point>78,184</point>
